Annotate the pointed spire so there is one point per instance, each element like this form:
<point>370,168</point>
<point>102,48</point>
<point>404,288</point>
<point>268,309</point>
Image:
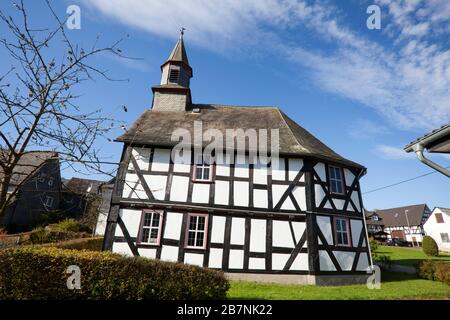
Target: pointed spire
<point>178,53</point>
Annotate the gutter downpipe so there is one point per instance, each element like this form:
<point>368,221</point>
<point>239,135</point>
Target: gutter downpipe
<point>418,149</point>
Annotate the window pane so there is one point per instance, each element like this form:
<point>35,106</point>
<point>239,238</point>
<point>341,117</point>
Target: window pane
<point>155,222</point>
<point>201,223</point>
<point>154,235</point>
<point>343,226</point>
<point>191,238</point>
<point>192,223</point>
<point>337,174</point>
<point>206,174</point>
<point>200,236</point>
<point>145,234</point>
<point>147,219</point>
<point>339,238</point>
<point>198,173</point>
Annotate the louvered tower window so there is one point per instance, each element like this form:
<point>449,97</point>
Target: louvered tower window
<point>174,75</point>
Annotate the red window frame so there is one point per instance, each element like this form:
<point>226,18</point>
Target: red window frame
<point>342,180</point>
<point>347,225</point>
<point>205,232</point>
<point>141,228</point>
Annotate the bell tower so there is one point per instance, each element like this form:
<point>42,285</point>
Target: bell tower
<point>173,93</point>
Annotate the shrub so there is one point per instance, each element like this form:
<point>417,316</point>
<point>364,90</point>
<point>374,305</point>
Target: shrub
<point>92,244</point>
<point>70,225</point>
<point>442,272</point>
<point>426,270</point>
<point>41,235</point>
<point>40,273</point>
<point>429,246</point>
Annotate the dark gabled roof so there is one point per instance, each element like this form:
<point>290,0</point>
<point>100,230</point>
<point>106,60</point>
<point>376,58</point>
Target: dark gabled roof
<point>28,164</point>
<point>156,128</point>
<point>81,186</point>
<point>437,140</point>
<point>395,217</point>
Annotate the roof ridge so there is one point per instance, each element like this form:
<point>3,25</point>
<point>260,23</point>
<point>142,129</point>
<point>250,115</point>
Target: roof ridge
<point>289,128</point>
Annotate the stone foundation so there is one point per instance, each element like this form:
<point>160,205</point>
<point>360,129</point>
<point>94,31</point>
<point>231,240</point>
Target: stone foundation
<point>319,280</point>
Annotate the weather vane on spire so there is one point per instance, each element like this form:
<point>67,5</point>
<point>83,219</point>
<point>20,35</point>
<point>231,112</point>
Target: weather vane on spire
<point>182,31</point>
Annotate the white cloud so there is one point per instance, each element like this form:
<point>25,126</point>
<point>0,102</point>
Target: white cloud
<point>406,78</point>
<point>393,153</point>
<point>363,129</point>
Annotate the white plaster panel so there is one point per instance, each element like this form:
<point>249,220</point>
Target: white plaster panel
<point>169,253</point>
<point>182,163</point>
<point>320,170</point>
<point>237,231</point>
<point>319,194</point>
<point>241,170</point>
<point>363,262</point>
<point>355,199</point>
<point>223,170</point>
<point>282,236</point>
<point>218,229</point>
<point>356,226</point>
<point>324,224</point>
<point>147,253</point>
<point>161,160</point>
<point>300,262</point>
<point>236,259</point>
<point>349,177</point>
<point>345,259</point>
<point>221,192</point>
<point>295,165</point>
<point>259,173</point>
<point>278,170</point>
<point>257,263</point>
<point>195,259</point>
<point>277,193</point>
<point>258,235</point>
<point>300,197</point>
<point>200,193</point>
<point>142,157</point>
<point>122,248</point>
<point>260,198</point>
<point>179,188</point>
<point>215,258</point>
<point>299,229</point>
<point>131,219</point>
<point>130,181</point>
<point>338,203</point>
<point>157,185</point>
<point>174,221</point>
<point>240,193</point>
<point>279,260</point>
<point>325,262</point>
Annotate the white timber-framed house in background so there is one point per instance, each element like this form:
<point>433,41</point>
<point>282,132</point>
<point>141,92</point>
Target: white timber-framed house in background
<point>299,221</point>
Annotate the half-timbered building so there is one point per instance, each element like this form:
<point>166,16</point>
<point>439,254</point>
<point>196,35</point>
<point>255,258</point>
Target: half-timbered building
<point>297,220</point>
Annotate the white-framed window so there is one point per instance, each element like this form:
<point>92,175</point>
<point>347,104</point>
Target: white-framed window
<point>203,169</point>
<point>150,231</point>
<point>197,228</point>
<point>336,180</point>
<point>444,237</point>
<point>48,201</point>
<point>341,231</point>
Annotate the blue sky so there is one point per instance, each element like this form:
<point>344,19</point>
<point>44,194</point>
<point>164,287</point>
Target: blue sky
<point>365,93</point>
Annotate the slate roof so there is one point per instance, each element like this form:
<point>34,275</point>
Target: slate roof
<point>178,54</point>
<point>156,127</point>
<point>80,186</point>
<point>395,217</point>
<point>28,163</point>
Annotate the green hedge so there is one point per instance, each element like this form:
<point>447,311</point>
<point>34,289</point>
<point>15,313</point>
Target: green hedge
<point>40,273</point>
<point>92,244</point>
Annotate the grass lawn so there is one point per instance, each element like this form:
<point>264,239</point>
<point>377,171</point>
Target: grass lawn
<point>393,286</point>
<point>409,256</point>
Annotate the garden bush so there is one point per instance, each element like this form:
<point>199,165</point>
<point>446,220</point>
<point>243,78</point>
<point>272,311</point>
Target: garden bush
<point>40,273</point>
<point>69,225</point>
<point>92,244</point>
<point>429,246</point>
<point>435,270</point>
<point>42,235</point>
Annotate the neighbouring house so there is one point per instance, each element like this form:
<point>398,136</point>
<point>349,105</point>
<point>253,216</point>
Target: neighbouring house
<point>103,210</point>
<point>296,220</point>
<point>375,226</point>
<point>77,194</point>
<point>37,178</point>
<point>438,227</point>
<point>405,223</point>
